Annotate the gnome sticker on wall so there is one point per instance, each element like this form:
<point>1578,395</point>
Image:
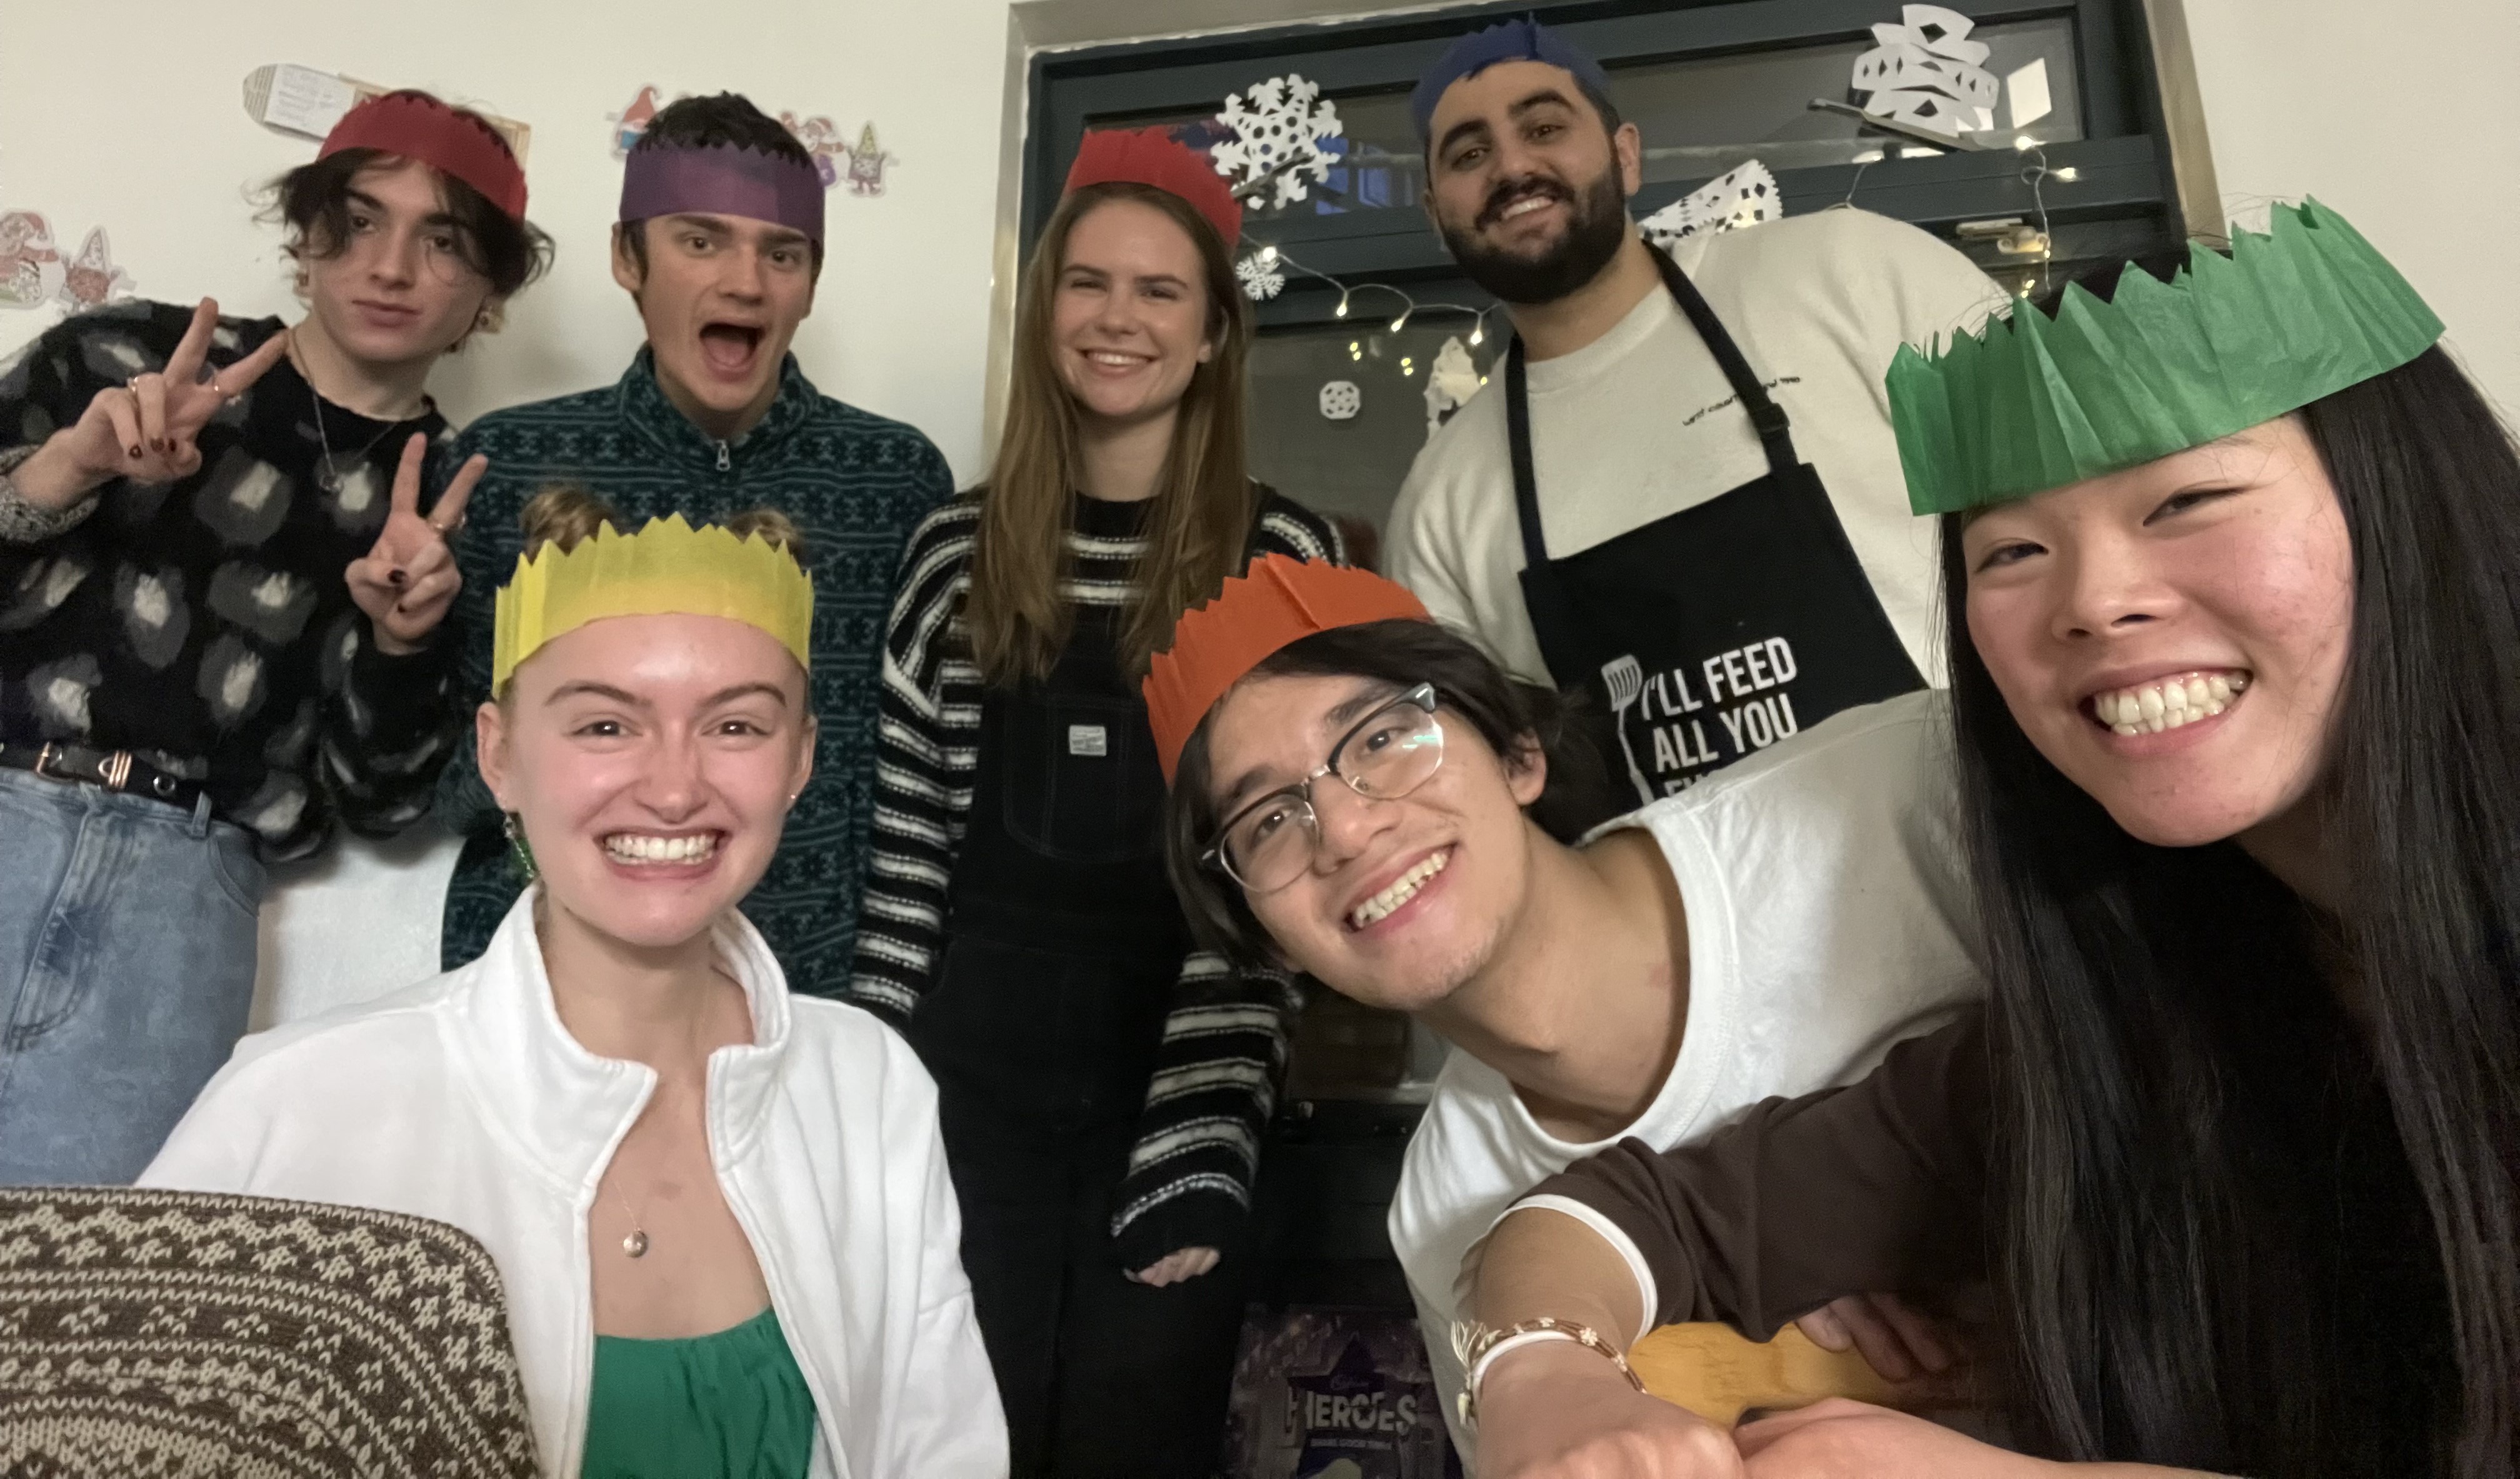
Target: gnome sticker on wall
<point>862,166</point>
<point>34,273</point>
<point>91,280</point>
<point>31,265</point>
<point>1927,73</point>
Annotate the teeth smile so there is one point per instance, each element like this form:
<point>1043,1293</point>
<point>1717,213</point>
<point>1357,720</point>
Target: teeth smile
<point>1398,891</point>
<point>642,850</point>
<point>2171,702</point>
<point>1526,206</point>
<point>1123,361</point>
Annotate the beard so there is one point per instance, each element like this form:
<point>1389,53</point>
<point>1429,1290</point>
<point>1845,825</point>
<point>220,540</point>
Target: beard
<point>1596,225</point>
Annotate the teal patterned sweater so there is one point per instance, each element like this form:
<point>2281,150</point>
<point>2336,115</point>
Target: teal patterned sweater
<point>854,484</point>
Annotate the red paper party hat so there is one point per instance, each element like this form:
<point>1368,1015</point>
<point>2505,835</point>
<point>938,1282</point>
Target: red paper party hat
<point>1153,156</point>
<point>452,141</point>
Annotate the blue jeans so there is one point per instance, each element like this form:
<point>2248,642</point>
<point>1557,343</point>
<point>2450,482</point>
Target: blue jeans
<point>127,932</point>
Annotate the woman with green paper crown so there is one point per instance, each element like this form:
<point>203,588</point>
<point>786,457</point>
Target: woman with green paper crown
<point>2228,562</point>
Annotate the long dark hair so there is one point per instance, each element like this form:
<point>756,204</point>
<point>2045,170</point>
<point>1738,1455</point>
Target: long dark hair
<point>2153,1008</point>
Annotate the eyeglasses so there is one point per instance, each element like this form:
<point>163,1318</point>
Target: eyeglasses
<point>1269,843</point>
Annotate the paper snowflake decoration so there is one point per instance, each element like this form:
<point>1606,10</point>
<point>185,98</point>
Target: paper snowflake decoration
<point>1745,197</point>
<point>1450,382</point>
<point>1261,279</point>
<point>1927,73</point>
<point>1276,131</point>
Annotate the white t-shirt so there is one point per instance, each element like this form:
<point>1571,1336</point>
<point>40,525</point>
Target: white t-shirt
<point>1641,422</point>
<point>1830,916</point>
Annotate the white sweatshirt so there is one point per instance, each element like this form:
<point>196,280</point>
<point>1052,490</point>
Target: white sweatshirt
<point>1829,916</point>
<point>464,1100</point>
<point>1640,424</point>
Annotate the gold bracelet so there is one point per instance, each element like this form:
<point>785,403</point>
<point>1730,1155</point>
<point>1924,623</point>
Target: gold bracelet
<point>1474,1342</point>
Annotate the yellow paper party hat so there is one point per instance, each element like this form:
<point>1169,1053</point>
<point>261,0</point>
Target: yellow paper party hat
<point>667,569</point>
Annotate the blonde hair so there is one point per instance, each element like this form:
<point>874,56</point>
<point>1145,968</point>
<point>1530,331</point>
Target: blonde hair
<point>1016,621</point>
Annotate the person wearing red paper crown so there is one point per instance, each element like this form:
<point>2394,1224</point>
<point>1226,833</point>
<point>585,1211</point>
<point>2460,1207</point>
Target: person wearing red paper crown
<point>1104,1084</point>
<point>221,595</point>
<point>1352,789</point>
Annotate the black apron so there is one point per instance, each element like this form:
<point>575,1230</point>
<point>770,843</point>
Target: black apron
<point>1715,631</point>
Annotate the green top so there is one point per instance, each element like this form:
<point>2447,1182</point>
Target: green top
<point>728,1406</point>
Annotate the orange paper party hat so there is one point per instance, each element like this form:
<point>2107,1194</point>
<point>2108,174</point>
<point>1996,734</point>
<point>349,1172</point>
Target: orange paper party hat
<point>1278,601</point>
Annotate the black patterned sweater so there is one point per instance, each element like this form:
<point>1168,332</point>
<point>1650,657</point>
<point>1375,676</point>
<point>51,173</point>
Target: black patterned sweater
<point>853,482</point>
<point>1223,1044</point>
<point>205,625</point>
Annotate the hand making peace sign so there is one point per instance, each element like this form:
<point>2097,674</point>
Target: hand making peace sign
<point>145,430</point>
<point>409,579</point>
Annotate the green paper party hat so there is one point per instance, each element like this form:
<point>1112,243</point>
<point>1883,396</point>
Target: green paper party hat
<point>2032,403</point>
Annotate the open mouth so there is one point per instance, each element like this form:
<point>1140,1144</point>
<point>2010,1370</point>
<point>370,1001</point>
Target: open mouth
<point>729,348</point>
<point>1117,361</point>
<point>1519,200</point>
<point>2168,703</point>
<point>1398,891</point>
<point>657,850</point>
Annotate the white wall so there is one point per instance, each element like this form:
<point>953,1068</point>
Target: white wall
<point>128,114</point>
<point>2399,115</point>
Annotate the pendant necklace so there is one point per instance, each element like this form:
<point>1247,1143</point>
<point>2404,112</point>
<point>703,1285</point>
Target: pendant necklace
<point>636,1244</point>
<point>328,474</point>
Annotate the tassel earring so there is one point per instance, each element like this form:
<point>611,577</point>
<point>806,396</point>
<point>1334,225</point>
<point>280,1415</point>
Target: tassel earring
<point>517,848</point>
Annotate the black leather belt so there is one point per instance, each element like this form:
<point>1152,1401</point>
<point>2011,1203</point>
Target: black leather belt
<point>113,770</point>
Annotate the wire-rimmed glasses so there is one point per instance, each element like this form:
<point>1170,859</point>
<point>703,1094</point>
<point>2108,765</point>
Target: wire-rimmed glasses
<point>1392,751</point>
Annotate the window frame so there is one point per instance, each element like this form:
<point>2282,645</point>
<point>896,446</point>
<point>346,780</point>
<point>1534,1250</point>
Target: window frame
<point>2127,164</point>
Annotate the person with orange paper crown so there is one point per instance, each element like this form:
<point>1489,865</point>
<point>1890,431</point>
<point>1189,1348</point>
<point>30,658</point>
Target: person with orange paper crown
<point>1350,796</point>
<point>720,1210</point>
<point>720,246</point>
<point>221,595</point>
<point>1104,1084</point>
<point>2228,552</point>
<point>1680,496</point>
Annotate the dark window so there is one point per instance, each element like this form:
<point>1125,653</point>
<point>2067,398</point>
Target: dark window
<point>1708,85</point>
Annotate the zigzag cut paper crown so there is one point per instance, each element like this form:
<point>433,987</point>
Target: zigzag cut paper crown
<point>1278,601</point>
<point>1153,156</point>
<point>453,141</point>
<point>667,569</point>
<point>2034,403</point>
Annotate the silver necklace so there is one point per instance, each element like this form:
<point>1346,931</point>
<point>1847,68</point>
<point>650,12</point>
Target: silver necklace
<point>328,474</point>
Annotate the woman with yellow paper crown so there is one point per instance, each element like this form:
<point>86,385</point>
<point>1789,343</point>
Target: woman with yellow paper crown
<point>2229,556</point>
<point>1104,1086</point>
<point>721,1212</point>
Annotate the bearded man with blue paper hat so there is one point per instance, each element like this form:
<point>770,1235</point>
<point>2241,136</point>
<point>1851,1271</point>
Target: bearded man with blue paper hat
<point>1681,494</point>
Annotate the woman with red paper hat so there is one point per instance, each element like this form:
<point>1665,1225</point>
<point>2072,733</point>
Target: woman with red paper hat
<point>1103,1084</point>
<point>216,570</point>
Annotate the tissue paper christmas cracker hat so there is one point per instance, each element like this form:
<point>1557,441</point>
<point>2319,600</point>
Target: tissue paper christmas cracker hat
<point>2034,403</point>
<point>663,179</point>
<point>1153,156</point>
<point>453,141</point>
<point>1280,600</point>
<point>667,569</point>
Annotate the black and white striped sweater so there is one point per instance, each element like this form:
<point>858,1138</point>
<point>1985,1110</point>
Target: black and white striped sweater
<point>1224,1037</point>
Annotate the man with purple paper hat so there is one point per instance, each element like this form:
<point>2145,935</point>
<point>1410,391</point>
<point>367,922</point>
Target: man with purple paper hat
<point>720,241</point>
<point>1681,494</point>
